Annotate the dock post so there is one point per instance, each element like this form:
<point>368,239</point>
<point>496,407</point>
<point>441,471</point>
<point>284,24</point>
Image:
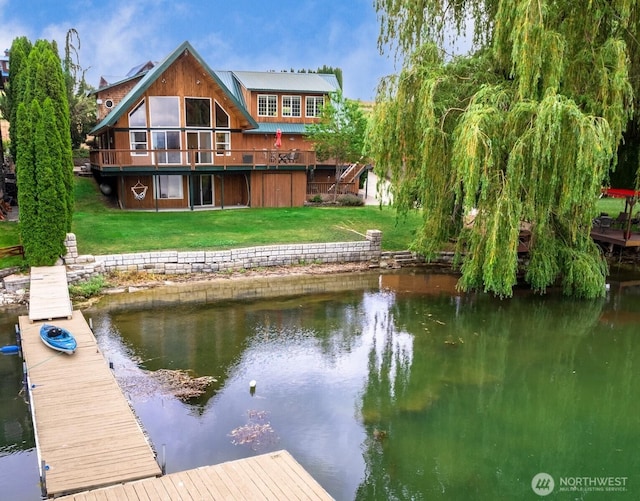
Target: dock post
<point>163,466</point>
<point>43,479</point>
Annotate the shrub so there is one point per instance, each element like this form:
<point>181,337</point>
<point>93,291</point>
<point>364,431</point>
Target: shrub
<point>88,288</point>
<point>350,200</point>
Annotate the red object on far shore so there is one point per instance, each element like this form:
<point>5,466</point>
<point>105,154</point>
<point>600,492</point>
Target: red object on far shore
<point>620,193</point>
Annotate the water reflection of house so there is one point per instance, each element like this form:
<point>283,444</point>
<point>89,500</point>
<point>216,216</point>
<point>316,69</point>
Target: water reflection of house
<point>178,135</point>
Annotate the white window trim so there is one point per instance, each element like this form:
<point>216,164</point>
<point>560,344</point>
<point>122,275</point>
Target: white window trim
<point>316,107</point>
<point>207,152</point>
<point>168,151</point>
<point>165,98</point>
<point>133,143</point>
<point>227,144</point>
<point>156,187</point>
<point>211,112</point>
<point>268,97</point>
<point>290,114</point>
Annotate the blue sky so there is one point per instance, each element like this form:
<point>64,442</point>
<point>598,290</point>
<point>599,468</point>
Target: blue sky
<point>230,35</point>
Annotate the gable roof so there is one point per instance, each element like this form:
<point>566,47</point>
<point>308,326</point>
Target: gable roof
<point>153,74</point>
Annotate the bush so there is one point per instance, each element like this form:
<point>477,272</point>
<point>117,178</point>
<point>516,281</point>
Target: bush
<point>350,201</point>
<point>88,288</point>
<point>316,199</point>
<point>81,153</point>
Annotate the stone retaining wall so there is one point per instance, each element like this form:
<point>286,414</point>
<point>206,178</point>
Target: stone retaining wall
<point>84,267</point>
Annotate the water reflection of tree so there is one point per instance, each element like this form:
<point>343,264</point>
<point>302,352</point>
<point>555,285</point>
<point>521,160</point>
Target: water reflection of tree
<point>211,340</point>
<point>476,369</point>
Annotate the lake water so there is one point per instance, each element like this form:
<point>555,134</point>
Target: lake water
<point>387,386</point>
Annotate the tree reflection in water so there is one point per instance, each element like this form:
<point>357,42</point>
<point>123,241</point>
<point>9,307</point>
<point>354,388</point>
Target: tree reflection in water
<point>468,397</point>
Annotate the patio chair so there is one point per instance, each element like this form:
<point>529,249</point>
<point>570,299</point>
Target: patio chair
<point>603,223</point>
<point>622,220</point>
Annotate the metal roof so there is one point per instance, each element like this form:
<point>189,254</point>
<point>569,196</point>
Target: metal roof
<point>272,127</point>
<point>232,84</point>
<point>286,82</point>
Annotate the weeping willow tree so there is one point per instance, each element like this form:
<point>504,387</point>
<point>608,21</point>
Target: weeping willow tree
<point>523,131</point>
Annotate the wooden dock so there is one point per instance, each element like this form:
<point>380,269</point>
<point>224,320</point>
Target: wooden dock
<point>49,293</point>
<point>273,476</point>
<point>89,442</point>
<point>616,237</point>
<point>87,435</point>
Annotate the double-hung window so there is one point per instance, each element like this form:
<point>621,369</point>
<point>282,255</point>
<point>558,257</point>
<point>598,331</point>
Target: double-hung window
<point>223,142</point>
<point>267,105</point>
<point>291,106</point>
<point>314,106</point>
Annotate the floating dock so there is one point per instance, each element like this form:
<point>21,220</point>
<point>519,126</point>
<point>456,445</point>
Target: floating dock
<point>86,432</point>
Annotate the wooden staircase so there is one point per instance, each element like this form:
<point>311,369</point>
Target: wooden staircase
<point>349,176</point>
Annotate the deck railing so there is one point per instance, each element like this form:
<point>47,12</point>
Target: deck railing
<point>317,188</point>
<point>195,158</point>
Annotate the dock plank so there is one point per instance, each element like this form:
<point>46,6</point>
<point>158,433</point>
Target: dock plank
<point>43,305</point>
<point>239,480</point>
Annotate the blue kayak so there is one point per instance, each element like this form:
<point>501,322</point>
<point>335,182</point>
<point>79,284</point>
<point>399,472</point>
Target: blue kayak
<point>58,339</point>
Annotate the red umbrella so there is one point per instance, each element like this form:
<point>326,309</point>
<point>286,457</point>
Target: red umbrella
<point>278,138</point>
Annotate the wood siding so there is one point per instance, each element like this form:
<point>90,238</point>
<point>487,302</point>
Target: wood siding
<point>278,189</point>
<point>230,190</point>
<point>149,202</point>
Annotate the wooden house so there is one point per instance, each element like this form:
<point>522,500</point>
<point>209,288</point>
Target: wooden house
<point>178,135</point>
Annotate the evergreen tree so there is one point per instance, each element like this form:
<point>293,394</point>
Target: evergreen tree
<point>14,89</point>
<point>44,163</point>
<point>26,174</point>
<point>45,79</point>
<point>526,129</point>
<point>50,223</point>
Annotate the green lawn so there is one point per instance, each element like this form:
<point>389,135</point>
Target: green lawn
<point>101,229</point>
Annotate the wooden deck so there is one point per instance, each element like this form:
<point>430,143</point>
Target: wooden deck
<point>274,476</point>
<point>49,293</point>
<point>615,237</point>
<point>86,433</point>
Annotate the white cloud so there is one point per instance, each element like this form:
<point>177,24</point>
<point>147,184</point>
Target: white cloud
<point>118,35</point>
